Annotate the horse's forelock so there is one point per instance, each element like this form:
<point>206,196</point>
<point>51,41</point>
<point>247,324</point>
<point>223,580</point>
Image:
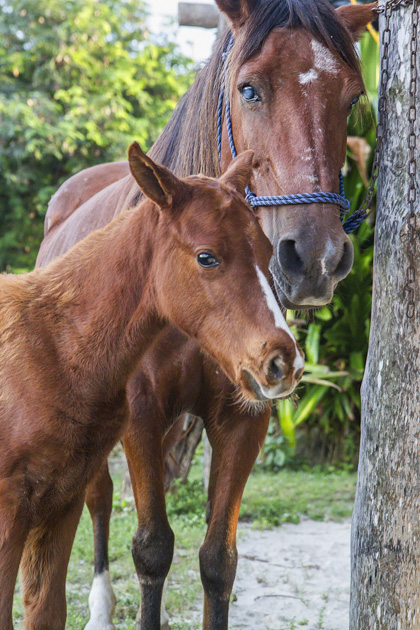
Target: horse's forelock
<point>189,142</point>
<point>315,16</point>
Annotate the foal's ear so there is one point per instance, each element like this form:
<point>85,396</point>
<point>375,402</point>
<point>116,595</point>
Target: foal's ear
<point>155,180</point>
<point>238,175</point>
<point>237,11</point>
<point>357,17</point>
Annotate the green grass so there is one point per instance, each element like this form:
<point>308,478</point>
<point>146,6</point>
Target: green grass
<point>272,499</point>
<point>269,500</point>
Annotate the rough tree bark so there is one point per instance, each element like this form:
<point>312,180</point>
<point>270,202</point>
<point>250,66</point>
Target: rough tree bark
<point>385,583</point>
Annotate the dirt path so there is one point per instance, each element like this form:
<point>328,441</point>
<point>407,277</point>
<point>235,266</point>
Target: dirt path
<point>292,577</point>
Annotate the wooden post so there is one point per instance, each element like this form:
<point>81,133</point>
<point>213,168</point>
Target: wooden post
<point>198,14</point>
<point>385,583</point>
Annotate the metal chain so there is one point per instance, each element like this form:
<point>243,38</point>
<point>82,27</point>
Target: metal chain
<point>409,288</point>
<point>387,10</point>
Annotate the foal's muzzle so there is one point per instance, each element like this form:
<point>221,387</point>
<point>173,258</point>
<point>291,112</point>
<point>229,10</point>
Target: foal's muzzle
<point>276,379</point>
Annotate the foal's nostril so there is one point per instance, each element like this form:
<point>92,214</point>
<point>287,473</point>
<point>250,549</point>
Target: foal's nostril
<point>275,369</point>
<point>290,259</point>
<point>346,261</point>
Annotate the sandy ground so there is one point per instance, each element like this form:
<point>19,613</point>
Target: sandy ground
<point>292,577</point>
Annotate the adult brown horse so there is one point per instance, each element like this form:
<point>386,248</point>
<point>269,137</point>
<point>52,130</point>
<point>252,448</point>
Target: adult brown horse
<point>71,334</point>
<point>293,79</point>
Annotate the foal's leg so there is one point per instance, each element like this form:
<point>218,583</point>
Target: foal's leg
<point>13,532</point>
<point>153,542</point>
<point>236,439</point>
<point>101,598</point>
<point>44,568</point>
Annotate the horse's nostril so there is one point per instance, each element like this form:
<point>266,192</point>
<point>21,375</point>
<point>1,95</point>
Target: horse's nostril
<point>275,369</point>
<point>289,259</point>
<point>346,261</point>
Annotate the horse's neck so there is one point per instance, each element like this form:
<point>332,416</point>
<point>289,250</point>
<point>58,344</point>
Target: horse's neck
<point>102,295</point>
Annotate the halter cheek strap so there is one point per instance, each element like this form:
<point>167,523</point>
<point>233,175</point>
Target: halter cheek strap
<point>255,201</point>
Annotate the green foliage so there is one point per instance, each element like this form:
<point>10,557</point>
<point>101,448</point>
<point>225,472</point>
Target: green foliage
<point>286,495</point>
<point>187,500</point>
<point>78,83</point>
<point>272,499</point>
<point>326,408</point>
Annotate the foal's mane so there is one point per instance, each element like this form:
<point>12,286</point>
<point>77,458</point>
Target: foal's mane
<point>188,143</point>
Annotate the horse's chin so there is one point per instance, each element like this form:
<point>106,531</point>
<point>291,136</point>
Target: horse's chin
<point>288,304</point>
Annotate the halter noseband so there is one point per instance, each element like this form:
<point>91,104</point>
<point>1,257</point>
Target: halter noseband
<point>255,201</point>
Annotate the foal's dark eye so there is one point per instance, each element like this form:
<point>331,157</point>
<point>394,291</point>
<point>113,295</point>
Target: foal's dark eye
<point>207,260</point>
<point>249,94</point>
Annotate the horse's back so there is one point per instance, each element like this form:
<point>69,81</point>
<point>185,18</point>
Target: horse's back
<point>95,213</point>
<point>81,187</point>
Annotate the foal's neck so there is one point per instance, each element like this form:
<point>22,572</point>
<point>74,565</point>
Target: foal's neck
<point>102,294</point>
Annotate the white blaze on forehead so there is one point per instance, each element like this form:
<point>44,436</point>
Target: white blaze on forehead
<point>272,304</point>
<point>101,603</point>
<point>324,60</point>
<point>308,77</point>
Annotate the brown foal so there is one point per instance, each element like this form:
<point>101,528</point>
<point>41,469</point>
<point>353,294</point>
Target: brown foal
<point>193,255</point>
<point>297,56</point>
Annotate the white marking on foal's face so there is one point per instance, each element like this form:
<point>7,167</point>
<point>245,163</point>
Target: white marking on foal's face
<point>298,363</point>
<point>308,77</point>
<point>101,603</point>
<point>324,60</point>
<point>272,303</point>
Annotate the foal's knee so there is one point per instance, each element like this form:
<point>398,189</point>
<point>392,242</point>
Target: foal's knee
<point>152,551</point>
<point>218,568</point>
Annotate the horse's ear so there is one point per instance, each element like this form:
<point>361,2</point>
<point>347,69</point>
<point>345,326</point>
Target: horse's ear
<point>357,17</point>
<point>237,11</point>
<point>238,175</point>
<point>156,181</point>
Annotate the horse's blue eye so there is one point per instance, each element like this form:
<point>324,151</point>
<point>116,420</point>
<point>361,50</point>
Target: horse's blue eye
<point>249,94</point>
<point>355,101</point>
<point>207,259</point>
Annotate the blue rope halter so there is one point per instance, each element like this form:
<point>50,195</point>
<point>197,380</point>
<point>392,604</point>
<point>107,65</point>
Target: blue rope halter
<point>255,201</point>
